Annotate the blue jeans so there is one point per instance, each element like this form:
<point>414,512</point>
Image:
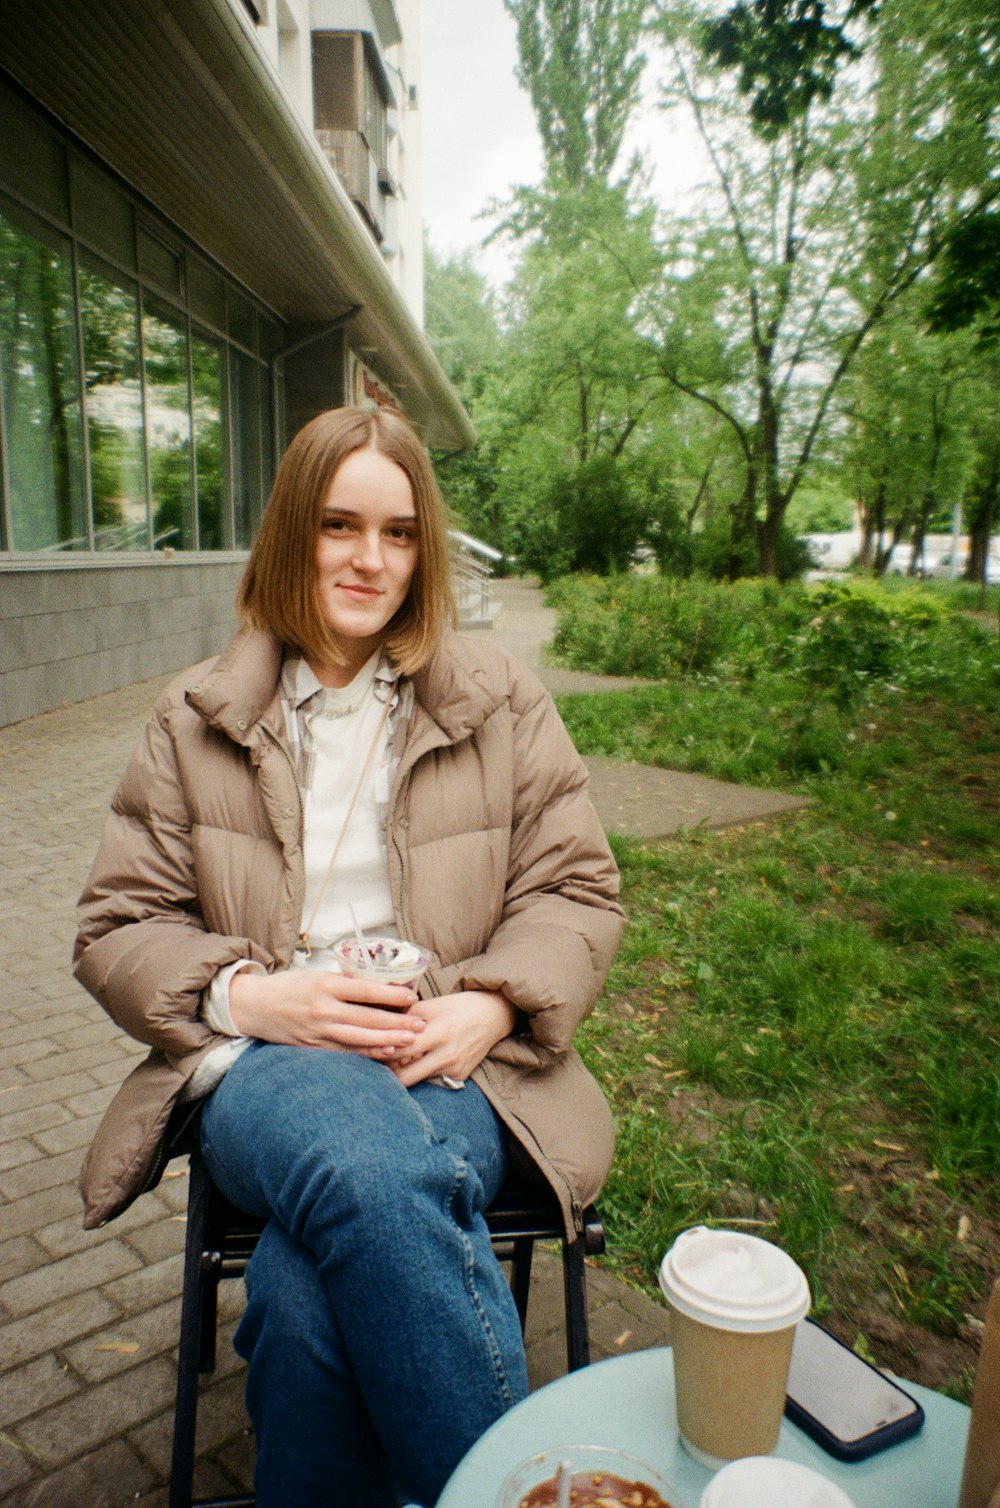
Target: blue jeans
<point>381,1335</point>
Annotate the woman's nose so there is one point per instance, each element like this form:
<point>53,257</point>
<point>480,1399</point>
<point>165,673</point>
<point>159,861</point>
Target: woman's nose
<point>368,554</point>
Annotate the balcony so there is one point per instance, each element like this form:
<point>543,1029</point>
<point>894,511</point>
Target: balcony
<point>348,154</point>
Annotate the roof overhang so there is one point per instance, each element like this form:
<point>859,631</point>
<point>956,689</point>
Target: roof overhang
<point>177,97</point>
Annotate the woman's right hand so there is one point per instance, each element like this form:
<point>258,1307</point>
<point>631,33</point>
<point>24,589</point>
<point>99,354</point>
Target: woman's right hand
<point>314,1008</point>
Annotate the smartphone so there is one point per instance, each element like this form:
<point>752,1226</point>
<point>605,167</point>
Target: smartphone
<point>848,1407</point>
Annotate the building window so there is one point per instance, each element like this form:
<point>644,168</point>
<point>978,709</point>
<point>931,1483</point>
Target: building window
<point>109,314</point>
<point>41,386</point>
<point>135,405</point>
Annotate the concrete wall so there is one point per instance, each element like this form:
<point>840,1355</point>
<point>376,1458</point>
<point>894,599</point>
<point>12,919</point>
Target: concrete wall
<point>73,630</point>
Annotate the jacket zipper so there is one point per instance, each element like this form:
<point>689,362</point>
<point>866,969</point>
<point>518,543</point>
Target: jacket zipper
<point>405,930</point>
<point>298,787</point>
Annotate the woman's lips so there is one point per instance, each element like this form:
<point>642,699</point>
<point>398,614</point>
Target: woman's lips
<point>364,593</point>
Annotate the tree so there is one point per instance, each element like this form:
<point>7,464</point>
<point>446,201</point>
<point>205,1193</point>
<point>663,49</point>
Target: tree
<point>580,62</point>
<point>461,322</point>
<point>909,405</point>
<point>833,197</point>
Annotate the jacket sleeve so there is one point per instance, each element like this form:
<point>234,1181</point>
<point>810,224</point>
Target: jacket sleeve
<point>143,949</point>
<point>561,921</point>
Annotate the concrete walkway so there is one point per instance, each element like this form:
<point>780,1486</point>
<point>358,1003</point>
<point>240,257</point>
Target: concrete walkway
<point>88,1320</point>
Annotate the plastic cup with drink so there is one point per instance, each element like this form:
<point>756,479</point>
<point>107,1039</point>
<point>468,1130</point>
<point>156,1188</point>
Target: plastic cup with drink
<point>390,960</point>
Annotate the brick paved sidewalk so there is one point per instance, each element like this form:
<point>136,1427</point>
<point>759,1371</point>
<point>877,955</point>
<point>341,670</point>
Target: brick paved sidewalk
<point>88,1320</point>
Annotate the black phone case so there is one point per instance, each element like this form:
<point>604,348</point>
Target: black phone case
<point>868,1445</point>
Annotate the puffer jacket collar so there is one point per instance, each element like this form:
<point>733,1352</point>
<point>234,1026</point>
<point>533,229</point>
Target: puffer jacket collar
<point>239,692</point>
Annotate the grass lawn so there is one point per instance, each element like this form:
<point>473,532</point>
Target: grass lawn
<point>800,1034</point>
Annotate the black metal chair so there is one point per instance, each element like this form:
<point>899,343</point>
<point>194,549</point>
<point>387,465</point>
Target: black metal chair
<point>221,1240</point>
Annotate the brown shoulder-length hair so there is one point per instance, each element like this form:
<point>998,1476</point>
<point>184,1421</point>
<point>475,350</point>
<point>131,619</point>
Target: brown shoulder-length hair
<point>278,590</point>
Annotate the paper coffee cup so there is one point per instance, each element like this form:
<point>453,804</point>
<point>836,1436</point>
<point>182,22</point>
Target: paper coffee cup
<point>736,1301</point>
<point>390,960</point>
<point>765,1482</point>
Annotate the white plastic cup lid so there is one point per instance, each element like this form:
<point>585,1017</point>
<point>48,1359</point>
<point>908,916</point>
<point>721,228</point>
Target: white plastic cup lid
<point>731,1281</point>
<point>767,1482</point>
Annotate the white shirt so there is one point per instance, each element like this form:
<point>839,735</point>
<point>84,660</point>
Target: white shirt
<point>342,721</point>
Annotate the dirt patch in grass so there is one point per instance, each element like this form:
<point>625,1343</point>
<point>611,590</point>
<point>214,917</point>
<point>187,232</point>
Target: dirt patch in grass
<point>928,1223</point>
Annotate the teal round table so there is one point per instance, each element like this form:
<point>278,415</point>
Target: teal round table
<point>628,1402</point>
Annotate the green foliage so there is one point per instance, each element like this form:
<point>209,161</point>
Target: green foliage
<point>799,1030</point>
<point>786,53</point>
<point>581,65</point>
<point>833,641</point>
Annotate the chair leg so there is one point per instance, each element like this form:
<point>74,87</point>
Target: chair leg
<point>575,1288</point>
<point>520,1275</point>
<point>186,1407</point>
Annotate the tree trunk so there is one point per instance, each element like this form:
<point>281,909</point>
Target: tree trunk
<point>985,510</point>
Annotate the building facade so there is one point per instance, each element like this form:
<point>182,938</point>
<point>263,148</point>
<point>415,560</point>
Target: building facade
<point>209,232</point>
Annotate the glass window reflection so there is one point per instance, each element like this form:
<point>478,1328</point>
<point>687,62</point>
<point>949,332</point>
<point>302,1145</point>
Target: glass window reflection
<point>168,426</point>
<point>40,382</point>
<point>207,373</point>
<point>246,400</point>
<point>109,319</point>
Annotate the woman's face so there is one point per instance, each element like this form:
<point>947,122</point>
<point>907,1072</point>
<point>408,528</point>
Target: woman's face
<point>365,556</point>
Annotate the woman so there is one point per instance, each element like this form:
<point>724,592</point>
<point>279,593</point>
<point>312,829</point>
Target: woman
<point>350,750</point>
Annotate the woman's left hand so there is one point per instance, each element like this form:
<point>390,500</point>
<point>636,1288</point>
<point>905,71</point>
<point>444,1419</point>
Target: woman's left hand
<point>460,1031</point>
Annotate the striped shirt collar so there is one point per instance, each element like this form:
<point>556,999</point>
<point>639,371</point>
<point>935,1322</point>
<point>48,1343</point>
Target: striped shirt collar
<point>302,696</point>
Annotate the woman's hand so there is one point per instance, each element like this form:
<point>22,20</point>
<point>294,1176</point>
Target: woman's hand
<point>313,1008</point>
<point>459,1031</point>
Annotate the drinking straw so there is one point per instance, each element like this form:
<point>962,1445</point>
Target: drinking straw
<point>565,1482</point>
<point>362,942</point>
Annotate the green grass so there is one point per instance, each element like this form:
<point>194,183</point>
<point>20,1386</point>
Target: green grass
<point>801,1032</point>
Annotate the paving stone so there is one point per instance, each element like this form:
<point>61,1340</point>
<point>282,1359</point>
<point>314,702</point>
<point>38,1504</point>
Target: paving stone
<point>59,1022</point>
<point>164,1238</point>
<point>37,1209</point>
<point>221,1418</point>
<point>239,1458</point>
<point>69,1134</point>
<point>77,1274</point>
<point>173,1188</point>
<point>42,1100</point>
<point>22,1254</point>
<point>63,1237</point>
<point>93,1103</point>
<point>85,1421</point>
<point>13,1154</point>
<point>26,1053</point>
<point>15,1183</point>
<point>614,1331</point>
<point>109,1477</point>
<point>210,1481</point>
<point>59,1064</point>
<point>148,1286</point>
<point>107,1352</point>
<point>32,1387</point>
<point>15,1468</point>
<point>48,1328</point>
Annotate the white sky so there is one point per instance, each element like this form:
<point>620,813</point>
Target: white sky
<point>478,128</point>
<point>477,125</point>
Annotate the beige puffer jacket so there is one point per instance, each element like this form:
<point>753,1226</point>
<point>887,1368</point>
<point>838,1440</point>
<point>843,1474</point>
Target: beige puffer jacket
<point>496,861</point>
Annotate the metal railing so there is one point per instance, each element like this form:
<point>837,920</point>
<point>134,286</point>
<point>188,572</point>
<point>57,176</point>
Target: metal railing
<point>471,581</point>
